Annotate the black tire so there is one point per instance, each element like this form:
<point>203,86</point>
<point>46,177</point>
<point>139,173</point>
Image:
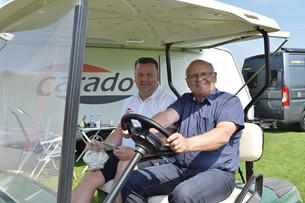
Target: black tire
<point>302,122</point>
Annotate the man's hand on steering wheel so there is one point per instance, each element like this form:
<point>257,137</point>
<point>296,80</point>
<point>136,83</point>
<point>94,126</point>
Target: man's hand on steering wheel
<point>123,130</point>
<point>178,143</point>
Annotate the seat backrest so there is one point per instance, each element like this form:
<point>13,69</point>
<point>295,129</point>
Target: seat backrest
<point>251,143</point>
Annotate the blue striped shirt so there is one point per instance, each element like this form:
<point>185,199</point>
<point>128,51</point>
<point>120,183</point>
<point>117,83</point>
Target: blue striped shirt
<point>199,117</point>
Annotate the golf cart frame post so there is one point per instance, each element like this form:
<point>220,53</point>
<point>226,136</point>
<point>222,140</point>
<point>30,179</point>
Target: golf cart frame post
<point>249,165</point>
<point>72,102</point>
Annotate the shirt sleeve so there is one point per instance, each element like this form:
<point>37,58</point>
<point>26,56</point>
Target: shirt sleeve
<point>231,110</point>
<point>167,100</point>
<point>178,105</point>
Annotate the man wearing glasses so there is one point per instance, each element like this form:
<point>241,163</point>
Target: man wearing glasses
<point>210,124</point>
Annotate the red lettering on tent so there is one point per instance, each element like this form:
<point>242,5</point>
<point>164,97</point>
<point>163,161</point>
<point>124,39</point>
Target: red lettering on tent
<point>90,68</point>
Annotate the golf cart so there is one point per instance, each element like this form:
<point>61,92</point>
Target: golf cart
<point>41,67</point>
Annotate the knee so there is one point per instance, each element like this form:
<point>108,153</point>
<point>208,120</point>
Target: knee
<point>93,179</point>
<point>180,194</point>
<point>89,175</point>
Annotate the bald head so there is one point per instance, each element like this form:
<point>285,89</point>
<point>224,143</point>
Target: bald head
<point>199,63</point>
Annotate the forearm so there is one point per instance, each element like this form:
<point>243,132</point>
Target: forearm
<point>115,137</point>
<point>212,139</point>
<point>166,118</point>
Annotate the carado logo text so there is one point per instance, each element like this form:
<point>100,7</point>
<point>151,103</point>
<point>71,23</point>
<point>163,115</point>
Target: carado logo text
<point>98,86</point>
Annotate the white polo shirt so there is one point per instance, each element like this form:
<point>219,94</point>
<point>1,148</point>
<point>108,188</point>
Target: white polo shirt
<point>157,102</point>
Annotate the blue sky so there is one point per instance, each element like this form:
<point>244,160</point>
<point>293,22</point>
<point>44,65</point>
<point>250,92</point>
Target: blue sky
<point>4,1</point>
<point>289,14</point>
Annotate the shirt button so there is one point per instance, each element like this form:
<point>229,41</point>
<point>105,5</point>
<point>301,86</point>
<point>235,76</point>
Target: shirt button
<point>193,126</point>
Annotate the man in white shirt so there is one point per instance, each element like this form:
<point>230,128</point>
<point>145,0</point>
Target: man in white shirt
<point>149,100</point>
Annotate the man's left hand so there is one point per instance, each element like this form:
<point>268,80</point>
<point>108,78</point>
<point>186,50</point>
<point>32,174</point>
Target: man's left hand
<point>178,143</point>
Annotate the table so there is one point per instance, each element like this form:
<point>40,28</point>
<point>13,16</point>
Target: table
<point>82,132</point>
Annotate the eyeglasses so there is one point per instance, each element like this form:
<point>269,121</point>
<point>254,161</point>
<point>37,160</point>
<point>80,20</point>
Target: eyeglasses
<point>203,75</point>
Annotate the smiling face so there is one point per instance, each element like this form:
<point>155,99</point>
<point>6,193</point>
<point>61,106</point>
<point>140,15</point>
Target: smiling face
<point>146,79</point>
<point>200,79</point>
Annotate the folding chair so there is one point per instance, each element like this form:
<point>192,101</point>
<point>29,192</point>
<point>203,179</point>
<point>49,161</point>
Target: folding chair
<point>47,147</point>
<point>51,150</point>
<point>30,145</point>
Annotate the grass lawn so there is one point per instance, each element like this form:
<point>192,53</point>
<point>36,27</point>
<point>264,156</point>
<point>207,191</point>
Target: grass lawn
<point>283,157</point>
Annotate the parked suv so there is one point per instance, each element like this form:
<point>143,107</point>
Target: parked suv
<point>284,100</point>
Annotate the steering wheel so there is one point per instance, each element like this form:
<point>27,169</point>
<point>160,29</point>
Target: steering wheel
<point>144,138</point>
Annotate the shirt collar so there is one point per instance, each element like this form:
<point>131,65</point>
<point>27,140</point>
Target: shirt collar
<point>209,99</point>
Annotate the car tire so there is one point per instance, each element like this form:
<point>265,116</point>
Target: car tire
<point>302,122</point>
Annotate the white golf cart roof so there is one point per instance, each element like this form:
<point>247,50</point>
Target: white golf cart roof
<point>145,23</point>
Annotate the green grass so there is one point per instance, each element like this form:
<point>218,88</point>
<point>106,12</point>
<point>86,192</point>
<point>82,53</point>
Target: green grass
<point>283,157</point>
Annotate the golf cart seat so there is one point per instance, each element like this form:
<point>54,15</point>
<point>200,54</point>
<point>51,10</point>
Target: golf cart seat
<point>251,149</point>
